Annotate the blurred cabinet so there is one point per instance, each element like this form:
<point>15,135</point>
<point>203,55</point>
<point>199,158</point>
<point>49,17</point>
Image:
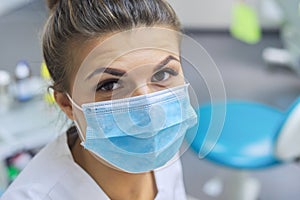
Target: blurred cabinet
<point>24,130</point>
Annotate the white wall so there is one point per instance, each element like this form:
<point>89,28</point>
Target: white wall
<point>8,5</point>
<point>211,14</point>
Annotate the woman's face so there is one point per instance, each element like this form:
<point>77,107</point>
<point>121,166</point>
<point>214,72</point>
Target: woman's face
<point>137,73</point>
<point>126,64</point>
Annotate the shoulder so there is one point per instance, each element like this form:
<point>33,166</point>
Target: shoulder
<point>53,174</point>
<point>42,173</point>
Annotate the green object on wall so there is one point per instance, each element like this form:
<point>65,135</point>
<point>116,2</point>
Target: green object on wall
<point>245,25</point>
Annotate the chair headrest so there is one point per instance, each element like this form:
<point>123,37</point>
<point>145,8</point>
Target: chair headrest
<point>287,147</point>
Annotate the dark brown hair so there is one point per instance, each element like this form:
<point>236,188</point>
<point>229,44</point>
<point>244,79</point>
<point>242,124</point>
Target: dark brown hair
<point>72,21</point>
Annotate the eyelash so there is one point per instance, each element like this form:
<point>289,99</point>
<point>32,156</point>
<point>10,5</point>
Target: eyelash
<point>167,70</point>
<point>170,71</point>
<point>107,81</point>
<point>101,84</point>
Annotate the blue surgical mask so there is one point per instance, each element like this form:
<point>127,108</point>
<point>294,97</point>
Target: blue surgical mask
<point>141,133</point>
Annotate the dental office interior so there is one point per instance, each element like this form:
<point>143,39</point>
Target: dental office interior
<point>242,59</point>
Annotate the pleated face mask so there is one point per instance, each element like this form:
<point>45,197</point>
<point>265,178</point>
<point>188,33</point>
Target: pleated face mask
<point>141,133</point>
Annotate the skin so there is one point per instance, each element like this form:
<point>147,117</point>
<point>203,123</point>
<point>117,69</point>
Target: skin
<point>134,69</point>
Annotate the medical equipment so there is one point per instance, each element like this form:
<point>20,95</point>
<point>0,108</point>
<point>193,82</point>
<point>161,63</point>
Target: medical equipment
<point>254,136</point>
<point>289,56</point>
<point>23,85</point>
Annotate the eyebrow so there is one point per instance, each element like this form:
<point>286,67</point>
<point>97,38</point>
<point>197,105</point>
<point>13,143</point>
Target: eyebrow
<point>164,62</point>
<point>120,73</point>
<point>114,72</point>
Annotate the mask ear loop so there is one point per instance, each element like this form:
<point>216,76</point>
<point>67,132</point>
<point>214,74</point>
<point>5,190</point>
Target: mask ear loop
<point>75,122</point>
<point>74,103</point>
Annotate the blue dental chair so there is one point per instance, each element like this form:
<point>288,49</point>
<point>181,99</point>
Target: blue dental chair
<point>254,136</point>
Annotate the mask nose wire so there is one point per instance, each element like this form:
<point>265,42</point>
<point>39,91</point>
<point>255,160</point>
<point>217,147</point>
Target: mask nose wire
<point>73,102</point>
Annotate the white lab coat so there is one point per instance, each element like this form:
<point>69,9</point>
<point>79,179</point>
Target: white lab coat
<point>53,174</point>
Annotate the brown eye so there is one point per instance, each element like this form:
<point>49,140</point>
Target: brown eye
<point>160,76</point>
<point>163,75</point>
<point>108,85</point>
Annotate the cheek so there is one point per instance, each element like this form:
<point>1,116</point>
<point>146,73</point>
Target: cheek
<point>180,71</point>
<point>181,74</point>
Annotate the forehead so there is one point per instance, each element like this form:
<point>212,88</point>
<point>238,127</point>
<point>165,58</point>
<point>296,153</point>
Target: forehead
<point>134,43</point>
<point>140,46</point>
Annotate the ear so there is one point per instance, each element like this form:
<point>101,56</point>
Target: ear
<point>64,104</point>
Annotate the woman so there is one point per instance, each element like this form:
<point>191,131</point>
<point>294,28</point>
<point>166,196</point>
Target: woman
<point>116,73</point>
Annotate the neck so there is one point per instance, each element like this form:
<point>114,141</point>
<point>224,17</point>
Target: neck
<point>115,183</point>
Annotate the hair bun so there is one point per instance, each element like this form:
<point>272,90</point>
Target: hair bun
<point>52,4</point>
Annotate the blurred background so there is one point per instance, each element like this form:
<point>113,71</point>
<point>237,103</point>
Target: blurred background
<point>260,66</point>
